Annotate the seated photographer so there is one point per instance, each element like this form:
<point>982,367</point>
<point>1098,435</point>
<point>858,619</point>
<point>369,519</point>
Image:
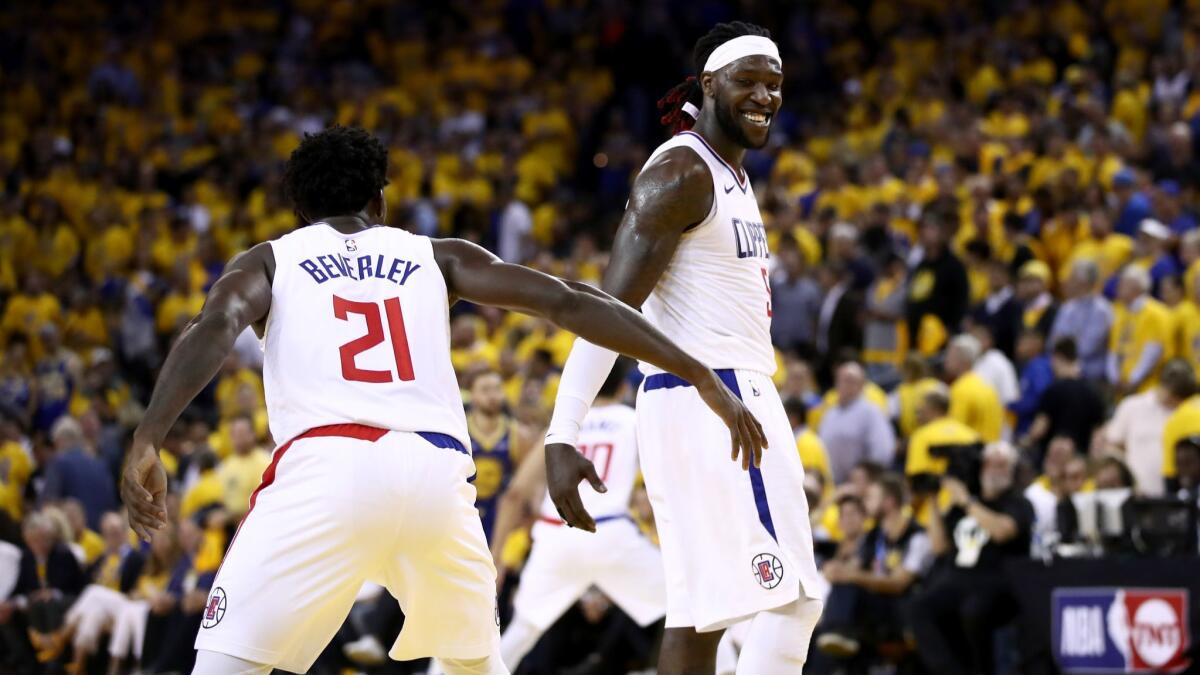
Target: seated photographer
<point>925,463</point>
<point>955,617</point>
<point>867,601</point>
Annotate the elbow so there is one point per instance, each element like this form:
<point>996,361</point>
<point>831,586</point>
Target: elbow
<point>567,305</point>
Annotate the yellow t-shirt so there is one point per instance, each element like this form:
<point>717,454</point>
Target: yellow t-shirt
<point>208,490</point>
<point>15,468</point>
<point>1184,422</point>
<point>1133,330</point>
<point>814,457</point>
<point>28,314</point>
<point>1187,333</point>
<point>240,475</point>
<point>975,403</point>
<point>942,431</point>
<point>92,544</point>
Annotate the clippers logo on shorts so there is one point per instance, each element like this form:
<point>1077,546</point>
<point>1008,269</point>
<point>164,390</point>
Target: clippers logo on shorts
<point>767,570</point>
<point>1119,630</point>
<point>215,610</point>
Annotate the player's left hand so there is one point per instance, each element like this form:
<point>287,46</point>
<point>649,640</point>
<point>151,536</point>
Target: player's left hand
<point>565,468</point>
<point>144,489</point>
<point>744,430</point>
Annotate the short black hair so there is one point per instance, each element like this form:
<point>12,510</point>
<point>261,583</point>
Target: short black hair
<point>615,379</point>
<point>335,172</point>
<point>1065,349</point>
<point>794,405</point>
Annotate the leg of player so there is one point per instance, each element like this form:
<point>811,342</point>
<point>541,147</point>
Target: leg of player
<point>686,652</point>
<point>517,640</point>
<point>216,663</point>
<point>778,640</point>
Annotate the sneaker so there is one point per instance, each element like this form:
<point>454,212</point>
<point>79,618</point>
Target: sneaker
<point>837,645</point>
<point>365,651</point>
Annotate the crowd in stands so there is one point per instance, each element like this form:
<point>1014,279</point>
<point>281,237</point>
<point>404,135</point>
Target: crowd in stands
<point>985,225</point>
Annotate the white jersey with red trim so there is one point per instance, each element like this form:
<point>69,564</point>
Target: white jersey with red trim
<point>608,437</point>
<point>359,332</point>
<point>714,299</point>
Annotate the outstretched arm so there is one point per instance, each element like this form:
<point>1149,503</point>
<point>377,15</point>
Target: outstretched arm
<point>239,298</point>
<point>520,501</point>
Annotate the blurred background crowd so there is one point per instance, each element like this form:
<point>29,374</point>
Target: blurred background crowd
<point>984,219</point>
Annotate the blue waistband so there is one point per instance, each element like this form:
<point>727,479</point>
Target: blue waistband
<point>439,440</point>
<point>671,380</point>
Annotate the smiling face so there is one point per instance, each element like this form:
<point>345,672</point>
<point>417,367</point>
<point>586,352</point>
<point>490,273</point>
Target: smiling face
<point>745,96</point>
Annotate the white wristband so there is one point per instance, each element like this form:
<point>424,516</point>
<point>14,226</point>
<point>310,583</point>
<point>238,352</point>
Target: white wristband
<point>564,423</point>
<point>584,373</point>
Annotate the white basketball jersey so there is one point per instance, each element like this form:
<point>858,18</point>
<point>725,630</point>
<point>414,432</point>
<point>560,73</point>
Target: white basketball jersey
<point>714,300</point>
<point>608,437</point>
<point>359,332</point>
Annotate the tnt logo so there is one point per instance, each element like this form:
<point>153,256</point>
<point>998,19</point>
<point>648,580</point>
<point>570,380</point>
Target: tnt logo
<point>1136,630</point>
<point>768,571</point>
<point>215,610</point>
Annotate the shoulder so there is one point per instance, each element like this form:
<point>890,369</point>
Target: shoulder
<point>676,179</point>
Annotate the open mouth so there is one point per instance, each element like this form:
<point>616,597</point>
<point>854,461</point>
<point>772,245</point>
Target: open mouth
<point>758,119</point>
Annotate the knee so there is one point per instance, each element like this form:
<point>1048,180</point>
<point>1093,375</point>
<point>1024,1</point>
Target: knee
<point>686,652</point>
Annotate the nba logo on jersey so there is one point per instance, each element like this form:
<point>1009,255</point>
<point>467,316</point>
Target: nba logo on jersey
<point>768,570</point>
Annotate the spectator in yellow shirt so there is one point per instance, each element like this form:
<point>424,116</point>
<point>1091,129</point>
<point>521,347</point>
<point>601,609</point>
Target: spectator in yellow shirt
<point>1183,423</point>
<point>1141,334</point>
<point>208,490</point>
<point>241,472</point>
<point>972,400</point>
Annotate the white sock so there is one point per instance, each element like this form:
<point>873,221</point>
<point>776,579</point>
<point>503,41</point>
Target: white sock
<point>777,643</point>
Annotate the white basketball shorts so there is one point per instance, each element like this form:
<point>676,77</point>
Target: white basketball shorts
<point>341,505</point>
<point>734,542</point>
<point>565,562</point>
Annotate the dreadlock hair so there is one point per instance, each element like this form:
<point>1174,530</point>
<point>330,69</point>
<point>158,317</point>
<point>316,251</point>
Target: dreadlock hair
<point>689,91</point>
<point>335,172</point>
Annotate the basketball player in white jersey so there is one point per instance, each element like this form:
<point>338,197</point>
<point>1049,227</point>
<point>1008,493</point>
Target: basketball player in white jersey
<point>369,481</point>
<point>565,562</point>
<point>692,253</point>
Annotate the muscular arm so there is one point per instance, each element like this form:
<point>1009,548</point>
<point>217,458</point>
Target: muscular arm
<point>476,275</point>
<point>670,195</point>
<point>239,298</point>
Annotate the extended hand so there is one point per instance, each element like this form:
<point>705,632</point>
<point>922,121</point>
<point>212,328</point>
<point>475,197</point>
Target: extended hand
<point>144,489</point>
<point>745,431</point>
<point>565,468</point>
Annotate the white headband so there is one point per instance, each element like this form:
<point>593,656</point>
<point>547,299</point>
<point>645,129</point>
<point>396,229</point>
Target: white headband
<point>738,47</point>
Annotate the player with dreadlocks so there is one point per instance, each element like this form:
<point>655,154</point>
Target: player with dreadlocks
<point>692,253</point>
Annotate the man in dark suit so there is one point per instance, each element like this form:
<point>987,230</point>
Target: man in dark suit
<point>839,324</point>
<point>49,580</point>
<point>1000,311</point>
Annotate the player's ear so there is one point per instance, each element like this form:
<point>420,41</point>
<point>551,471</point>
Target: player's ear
<point>707,84</point>
<point>377,209</point>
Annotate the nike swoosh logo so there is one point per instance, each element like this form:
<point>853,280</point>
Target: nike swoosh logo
<point>728,189</point>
